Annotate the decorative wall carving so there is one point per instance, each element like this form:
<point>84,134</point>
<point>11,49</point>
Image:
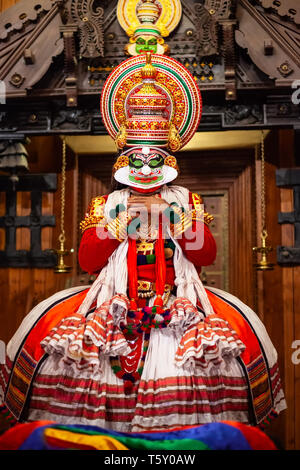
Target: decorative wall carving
<point>282,61</point>
<point>63,50</point>
<point>241,115</point>
<point>77,119</point>
<point>206,31</point>
<point>25,33</point>
<point>284,8</point>
<point>205,17</point>
<point>228,50</point>
<point>89,16</point>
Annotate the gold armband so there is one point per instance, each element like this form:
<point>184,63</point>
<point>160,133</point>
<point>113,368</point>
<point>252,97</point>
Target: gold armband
<point>185,222</point>
<point>118,226</point>
<point>95,214</point>
<point>198,211</point>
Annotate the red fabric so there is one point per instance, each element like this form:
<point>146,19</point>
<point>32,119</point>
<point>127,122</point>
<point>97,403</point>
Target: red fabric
<point>14,437</point>
<point>147,272</point>
<point>256,438</point>
<point>132,269</point>
<point>94,251</point>
<point>160,264</point>
<point>204,256</point>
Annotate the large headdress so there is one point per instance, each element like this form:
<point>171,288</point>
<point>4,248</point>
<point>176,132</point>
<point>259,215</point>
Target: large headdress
<point>147,23</point>
<point>151,106</point>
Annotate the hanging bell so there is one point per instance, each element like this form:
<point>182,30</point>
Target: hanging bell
<point>264,250</point>
<point>61,267</point>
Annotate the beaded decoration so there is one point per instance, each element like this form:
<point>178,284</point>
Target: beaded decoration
<point>137,330</point>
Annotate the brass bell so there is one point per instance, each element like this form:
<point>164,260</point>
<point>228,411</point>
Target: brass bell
<point>263,265</point>
<point>61,267</point>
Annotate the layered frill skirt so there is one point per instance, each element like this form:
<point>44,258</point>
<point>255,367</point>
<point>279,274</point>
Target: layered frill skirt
<point>66,367</point>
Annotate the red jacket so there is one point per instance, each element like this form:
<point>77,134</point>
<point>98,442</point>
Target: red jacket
<point>94,251</point>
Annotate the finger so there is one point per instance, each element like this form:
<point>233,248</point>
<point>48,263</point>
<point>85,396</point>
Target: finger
<point>133,210</point>
<point>137,199</point>
<point>136,206</point>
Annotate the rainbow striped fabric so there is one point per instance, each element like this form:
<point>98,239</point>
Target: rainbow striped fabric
<point>47,435</point>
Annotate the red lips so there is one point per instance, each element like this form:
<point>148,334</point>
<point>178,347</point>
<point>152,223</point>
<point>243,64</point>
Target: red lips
<point>146,180</point>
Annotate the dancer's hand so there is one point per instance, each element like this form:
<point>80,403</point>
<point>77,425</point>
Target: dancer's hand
<point>152,204</point>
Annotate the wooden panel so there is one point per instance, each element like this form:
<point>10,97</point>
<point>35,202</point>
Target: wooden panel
<point>5,4</point>
<point>275,288</point>
<point>47,209</point>
<point>22,289</point>
<point>241,236</point>
<point>216,203</point>
<point>296,286</point>
<point>288,317</point>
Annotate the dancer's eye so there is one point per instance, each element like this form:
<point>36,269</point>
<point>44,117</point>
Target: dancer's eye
<point>135,162</point>
<point>156,161</point>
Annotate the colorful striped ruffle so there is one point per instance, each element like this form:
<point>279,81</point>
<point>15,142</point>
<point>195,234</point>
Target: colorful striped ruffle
<point>197,370</point>
<point>44,435</point>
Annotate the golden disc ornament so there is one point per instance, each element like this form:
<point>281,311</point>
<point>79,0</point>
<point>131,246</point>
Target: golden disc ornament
<point>156,103</point>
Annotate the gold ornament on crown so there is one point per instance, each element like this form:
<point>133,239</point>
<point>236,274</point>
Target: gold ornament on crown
<point>148,113</point>
<point>172,162</point>
<point>121,162</point>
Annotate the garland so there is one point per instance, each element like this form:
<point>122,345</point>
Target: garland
<point>137,330</point>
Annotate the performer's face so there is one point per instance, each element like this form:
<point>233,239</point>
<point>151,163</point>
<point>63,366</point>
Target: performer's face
<point>146,44</point>
<point>145,169</point>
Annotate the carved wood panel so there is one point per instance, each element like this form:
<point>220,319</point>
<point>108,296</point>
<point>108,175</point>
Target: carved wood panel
<point>28,45</point>
<point>274,48</point>
<point>216,203</point>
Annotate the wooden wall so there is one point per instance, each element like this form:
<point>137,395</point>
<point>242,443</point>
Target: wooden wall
<point>278,290</point>
<point>22,289</point>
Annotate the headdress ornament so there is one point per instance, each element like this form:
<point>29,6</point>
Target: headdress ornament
<point>151,100</point>
<point>150,103</point>
<point>146,19</point>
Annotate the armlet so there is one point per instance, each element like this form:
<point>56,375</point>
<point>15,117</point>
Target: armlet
<point>94,215</point>
<point>198,212</point>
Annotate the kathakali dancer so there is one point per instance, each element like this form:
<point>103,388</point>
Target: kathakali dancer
<point>146,347</point>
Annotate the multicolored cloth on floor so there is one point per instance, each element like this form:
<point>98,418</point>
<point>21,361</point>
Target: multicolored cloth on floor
<point>47,435</point>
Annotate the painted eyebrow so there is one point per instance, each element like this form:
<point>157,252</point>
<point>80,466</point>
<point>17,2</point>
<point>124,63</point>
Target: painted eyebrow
<point>154,155</point>
<point>140,157</point>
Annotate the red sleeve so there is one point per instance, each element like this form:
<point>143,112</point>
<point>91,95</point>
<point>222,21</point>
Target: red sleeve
<point>205,254</point>
<point>94,251</point>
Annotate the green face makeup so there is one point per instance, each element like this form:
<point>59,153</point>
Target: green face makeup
<point>156,161</point>
<point>145,170</point>
<point>146,45</point>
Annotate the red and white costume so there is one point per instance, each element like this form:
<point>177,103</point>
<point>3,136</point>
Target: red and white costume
<point>79,366</point>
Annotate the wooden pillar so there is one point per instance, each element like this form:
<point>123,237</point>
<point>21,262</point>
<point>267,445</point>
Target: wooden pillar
<point>276,288</point>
